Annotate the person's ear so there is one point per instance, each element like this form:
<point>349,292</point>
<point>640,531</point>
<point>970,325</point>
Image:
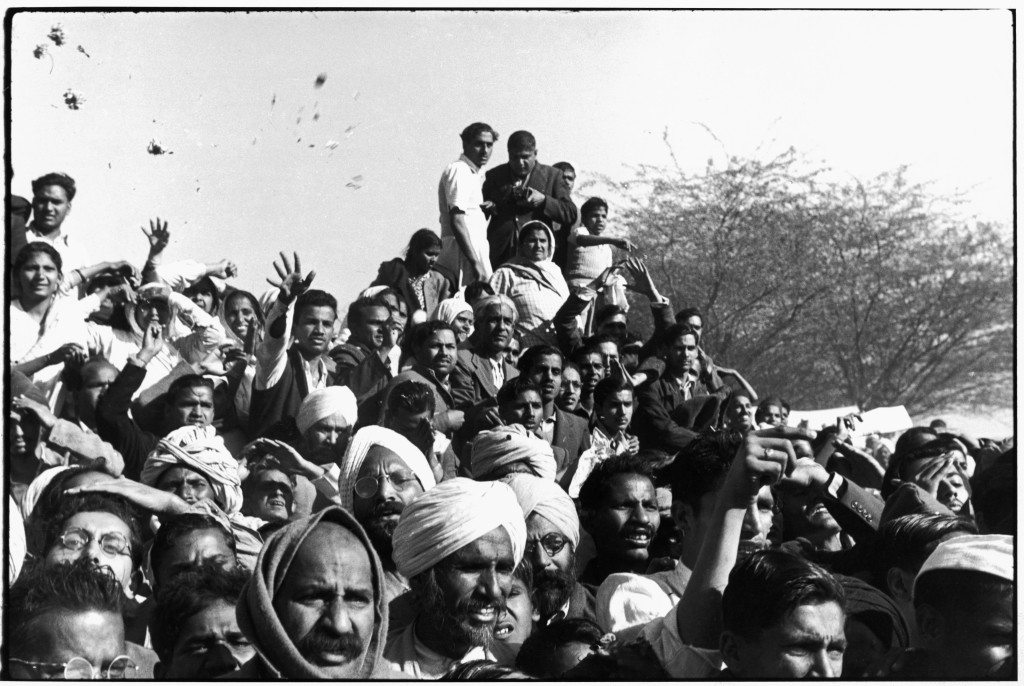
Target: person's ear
<point>682,515</point>
<point>931,626</point>
<point>900,584</point>
<point>731,646</point>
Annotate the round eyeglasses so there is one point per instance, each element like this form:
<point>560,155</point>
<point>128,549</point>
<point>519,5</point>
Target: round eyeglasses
<point>111,543</point>
<point>552,544</point>
<point>78,669</point>
<point>368,485</point>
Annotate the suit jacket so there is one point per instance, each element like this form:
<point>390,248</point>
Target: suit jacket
<point>573,436</point>
<point>471,379</point>
<point>557,211</point>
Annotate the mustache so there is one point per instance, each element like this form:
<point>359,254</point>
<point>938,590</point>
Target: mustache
<point>319,641</point>
<point>646,529</point>
<point>388,507</point>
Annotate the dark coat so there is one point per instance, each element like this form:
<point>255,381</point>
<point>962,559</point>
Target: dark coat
<point>573,436</point>
<point>435,289</point>
<point>558,210</point>
<point>471,379</point>
<point>283,399</point>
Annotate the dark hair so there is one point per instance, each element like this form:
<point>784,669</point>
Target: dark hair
<point>538,650</point>
<point>55,179</point>
<point>97,502</point>
<point>768,585</point>
<point>49,502</point>
<point>355,310</point>
<point>422,332</point>
<point>480,670</point>
<point>677,331</point>
<point>952,589</point>
<point>610,386</point>
<point>607,312</point>
<point>592,205</point>
<point>522,140</point>
<point>380,299</point>
<point>174,527</point>
<point>262,466</point>
<point>700,468</point>
<point>421,240</point>
<point>564,166</point>
<point>595,488</point>
<point>411,396</point>
<point>687,312</point>
<point>895,471</point>
<point>513,387</point>
<point>187,382</point>
<point>907,541</point>
<point>937,424</point>
<point>762,407</point>
<point>477,289</point>
<point>584,351</point>
<point>598,338</point>
<point>533,354</point>
<point>994,494</point>
<point>315,298</point>
<point>188,594</point>
<point>475,129</point>
<point>73,374</point>
<point>74,587</point>
<point>37,248</point>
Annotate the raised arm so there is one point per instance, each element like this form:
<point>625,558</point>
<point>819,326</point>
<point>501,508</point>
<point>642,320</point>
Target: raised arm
<point>271,355</point>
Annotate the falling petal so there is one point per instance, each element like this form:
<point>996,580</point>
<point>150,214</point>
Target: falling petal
<point>82,50</point>
<point>273,99</point>
<point>357,178</point>
<point>311,145</point>
<point>316,116</point>
<point>355,96</point>
<point>155,148</point>
<point>332,144</point>
<point>320,80</point>
<point>56,35</point>
<point>73,100</point>
<point>39,51</point>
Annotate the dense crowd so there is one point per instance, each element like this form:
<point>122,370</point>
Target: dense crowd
<point>475,470</point>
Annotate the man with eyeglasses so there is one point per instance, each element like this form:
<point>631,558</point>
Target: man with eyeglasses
<point>384,472</point>
<point>65,622</point>
<point>553,537</point>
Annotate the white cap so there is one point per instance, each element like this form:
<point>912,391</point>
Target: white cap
<point>990,554</point>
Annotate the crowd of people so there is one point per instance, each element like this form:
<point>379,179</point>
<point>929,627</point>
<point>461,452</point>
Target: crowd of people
<point>477,469</point>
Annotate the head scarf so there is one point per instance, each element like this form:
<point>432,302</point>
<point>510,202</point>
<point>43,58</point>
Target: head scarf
<point>452,515</point>
<point>259,621</point>
<point>200,449</point>
<point>507,445</point>
<point>877,611</point>
<point>325,402</point>
<point>257,308</point>
<point>449,309</point>
<point>544,271</point>
<point>547,499</point>
<point>359,447</point>
<point>487,302</point>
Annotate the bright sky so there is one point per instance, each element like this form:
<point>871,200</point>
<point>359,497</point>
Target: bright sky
<point>861,91</point>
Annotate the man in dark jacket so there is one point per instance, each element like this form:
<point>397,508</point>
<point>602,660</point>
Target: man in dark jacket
<point>522,190</point>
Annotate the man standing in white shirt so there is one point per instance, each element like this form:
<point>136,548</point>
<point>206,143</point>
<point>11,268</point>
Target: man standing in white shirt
<point>51,202</point>
<point>464,249</point>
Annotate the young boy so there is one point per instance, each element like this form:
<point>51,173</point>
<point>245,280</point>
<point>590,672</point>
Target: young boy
<point>590,253</point>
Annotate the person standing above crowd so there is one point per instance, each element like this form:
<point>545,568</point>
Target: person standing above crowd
<point>414,276</point>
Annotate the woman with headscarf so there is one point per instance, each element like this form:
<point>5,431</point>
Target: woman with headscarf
<point>534,283</point>
<point>459,314</point>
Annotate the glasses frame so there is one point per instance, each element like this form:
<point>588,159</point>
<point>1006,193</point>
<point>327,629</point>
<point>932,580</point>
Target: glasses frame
<point>126,551</point>
<point>95,672</point>
<point>532,543</point>
<point>387,477</point>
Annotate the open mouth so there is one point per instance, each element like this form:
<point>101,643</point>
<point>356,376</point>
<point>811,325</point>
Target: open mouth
<point>276,503</point>
<point>503,631</point>
<point>638,539</point>
<point>484,615</point>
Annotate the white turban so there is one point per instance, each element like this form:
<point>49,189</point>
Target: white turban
<point>359,447</point>
<point>507,445</point>
<point>449,309</point>
<point>36,488</point>
<point>452,515</point>
<point>324,402</point>
<point>200,449</point>
<point>547,499</point>
<point>625,601</point>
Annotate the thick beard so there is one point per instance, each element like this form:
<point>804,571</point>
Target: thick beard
<point>381,531</point>
<point>553,588</point>
<point>448,624</point>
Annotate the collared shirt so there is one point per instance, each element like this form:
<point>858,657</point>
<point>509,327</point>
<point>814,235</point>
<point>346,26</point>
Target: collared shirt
<point>272,354</point>
<point>72,254</point>
<point>497,372</point>
<point>547,429</point>
<point>461,188</point>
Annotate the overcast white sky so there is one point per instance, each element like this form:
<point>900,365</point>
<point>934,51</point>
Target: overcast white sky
<point>861,91</point>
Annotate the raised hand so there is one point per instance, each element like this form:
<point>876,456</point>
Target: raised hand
<point>146,497</point>
<point>25,404</point>
<point>643,282</point>
<point>225,269</point>
<point>69,353</point>
<point>765,457</point>
<point>625,244</point>
<point>291,285</point>
<point>152,342</point>
<point>158,236</point>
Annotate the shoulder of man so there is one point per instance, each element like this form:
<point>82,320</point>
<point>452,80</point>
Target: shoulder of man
<point>345,352</point>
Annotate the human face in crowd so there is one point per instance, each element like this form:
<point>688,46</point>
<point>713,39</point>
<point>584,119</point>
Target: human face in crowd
<point>495,329</point>
<point>408,423</point>
<point>614,325</point>
<point>50,208</point>
<point>695,323</point>
<point>270,496</point>
<point>554,564</point>
<point>535,245</point>
<point>596,220</point>
<point>463,325</point>
<point>682,354</point>
<point>968,641</point>
<point>155,311</point>
<point>527,408</point>
<point>591,372</point>
<point>327,439</point>
<point>210,645</point>
<point>478,149</point>
<point>393,485</point>
<point>61,635</point>
<point>547,374</point>
<point>569,176</point>
<point>90,531</point>
<point>512,351</point>
<point>757,522</point>
<point>515,624</point>
<point>194,549</point>
<point>438,353</point>
<point>806,516</point>
<point>39,277</point>
<point>192,406</point>
<point>204,299</point>
<point>240,316</point>
<point>625,524</point>
<point>952,489</point>
<point>773,415</point>
<point>808,642</point>
<point>521,162</point>
<point>187,484</point>
<point>472,585</point>
<point>569,397</point>
<point>24,433</point>
<point>741,414</point>
<point>96,379</point>
<point>326,602</point>
<point>609,353</point>
<point>422,261</point>
<point>616,412</point>
<point>313,329</point>
<point>370,331</point>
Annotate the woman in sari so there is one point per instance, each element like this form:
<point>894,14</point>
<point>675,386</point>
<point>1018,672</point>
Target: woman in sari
<point>534,283</point>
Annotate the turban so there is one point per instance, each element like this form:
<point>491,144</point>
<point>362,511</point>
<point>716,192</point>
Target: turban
<point>324,402</point>
<point>366,438</point>
<point>202,450</point>
<point>36,488</point>
<point>625,601</point>
<point>449,309</point>
<point>877,611</point>
<point>452,515</point>
<point>547,499</point>
<point>487,302</point>
<point>255,611</point>
<point>507,445</point>
<point>989,554</point>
